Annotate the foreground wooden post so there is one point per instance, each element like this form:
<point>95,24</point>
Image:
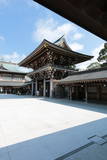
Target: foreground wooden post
<point>32,88</point>
<point>86,93</point>
<point>51,87</point>
<point>36,87</point>
<point>44,88</point>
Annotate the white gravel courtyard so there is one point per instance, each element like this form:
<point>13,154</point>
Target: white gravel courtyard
<point>44,129</point>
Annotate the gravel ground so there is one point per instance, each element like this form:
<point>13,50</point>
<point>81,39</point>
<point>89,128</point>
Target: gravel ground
<point>42,128</point>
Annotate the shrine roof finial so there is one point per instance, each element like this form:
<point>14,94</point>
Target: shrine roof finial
<point>58,40</point>
<point>61,42</point>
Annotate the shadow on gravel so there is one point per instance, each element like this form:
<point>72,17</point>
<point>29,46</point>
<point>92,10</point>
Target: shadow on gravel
<point>78,104</point>
<point>12,96</point>
<point>54,145</point>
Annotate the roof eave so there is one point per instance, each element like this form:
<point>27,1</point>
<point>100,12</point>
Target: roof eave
<point>7,71</point>
<point>32,53</point>
<point>46,44</point>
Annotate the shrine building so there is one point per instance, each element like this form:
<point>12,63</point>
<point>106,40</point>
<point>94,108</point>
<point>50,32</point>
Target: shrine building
<point>51,62</point>
<point>13,79</point>
<point>89,85</point>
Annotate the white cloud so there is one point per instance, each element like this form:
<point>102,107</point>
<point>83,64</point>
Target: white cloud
<point>13,57</point>
<point>51,30</point>
<point>95,53</point>
<point>76,46</point>
<point>77,36</point>
<point>2,38</point>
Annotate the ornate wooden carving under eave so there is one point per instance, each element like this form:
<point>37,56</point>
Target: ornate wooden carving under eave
<point>54,57</point>
<point>62,59</point>
<point>45,45</point>
<point>70,61</point>
<point>31,76</point>
<point>50,57</point>
<point>41,61</point>
<point>31,65</point>
<point>35,64</point>
<point>48,74</point>
<point>58,75</point>
<point>37,75</point>
<point>40,75</point>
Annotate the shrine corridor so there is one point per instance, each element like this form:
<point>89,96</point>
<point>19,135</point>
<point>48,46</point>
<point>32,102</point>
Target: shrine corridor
<point>44,128</point>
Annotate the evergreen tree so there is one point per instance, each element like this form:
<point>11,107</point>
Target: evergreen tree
<point>103,55</point>
<point>94,65</point>
<point>73,67</point>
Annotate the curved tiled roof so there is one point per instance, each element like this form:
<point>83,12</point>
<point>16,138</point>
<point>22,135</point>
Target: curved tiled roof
<point>93,75</point>
<point>13,67</point>
<point>61,42</point>
<point>59,45</point>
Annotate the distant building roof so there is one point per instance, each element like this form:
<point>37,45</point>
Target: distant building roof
<point>13,83</point>
<point>13,67</point>
<point>86,76</point>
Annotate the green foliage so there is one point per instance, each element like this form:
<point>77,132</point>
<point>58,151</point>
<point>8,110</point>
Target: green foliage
<point>103,54</point>
<point>73,67</point>
<point>1,59</point>
<point>104,65</point>
<point>94,65</point>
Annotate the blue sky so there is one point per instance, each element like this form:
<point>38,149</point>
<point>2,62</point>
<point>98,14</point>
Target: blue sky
<point>24,24</point>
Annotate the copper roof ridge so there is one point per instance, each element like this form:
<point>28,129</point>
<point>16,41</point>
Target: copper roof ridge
<point>89,71</point>
<point>8,62</point>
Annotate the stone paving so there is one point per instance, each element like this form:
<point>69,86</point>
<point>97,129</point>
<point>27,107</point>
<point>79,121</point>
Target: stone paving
<point>36,128</point>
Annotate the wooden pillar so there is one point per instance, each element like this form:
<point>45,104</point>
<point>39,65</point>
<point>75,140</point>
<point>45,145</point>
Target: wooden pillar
<point>86,93</point>
<point>36,87</point>
<point>32,88</point>
<point>70,93</point>
<point>44,88</point>
<point>51,87</point>
<point>98,93</point>
<point>76,93</point>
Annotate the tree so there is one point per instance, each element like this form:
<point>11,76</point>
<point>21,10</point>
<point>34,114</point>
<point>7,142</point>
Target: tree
<point>103,55</point>
<point>94,65</point>
<point>1,58</point>
<point>73,67</point>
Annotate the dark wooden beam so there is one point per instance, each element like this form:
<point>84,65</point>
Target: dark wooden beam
<point>91,15</point>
